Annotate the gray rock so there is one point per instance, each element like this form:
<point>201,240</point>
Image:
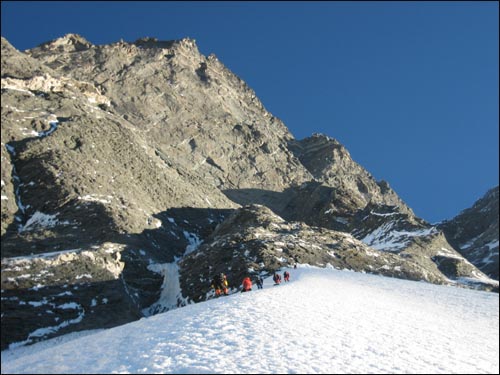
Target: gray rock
<point>331,164</point>
<point>254,241</point>
<point>474,233</point>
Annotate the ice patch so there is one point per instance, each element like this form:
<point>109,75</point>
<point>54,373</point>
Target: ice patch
<point>193,240</point>
<point>96,198</point>
<point>11,149</point>
<point>170,296</point>
<point>82,276</point>
<point>383,215</point>
<point>341,220</point>
<point>492,245</point>
<point>53,127</point>
<point>39,219</point>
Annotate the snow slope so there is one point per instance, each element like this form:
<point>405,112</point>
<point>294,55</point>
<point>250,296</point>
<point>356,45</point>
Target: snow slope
<point>322,321</point>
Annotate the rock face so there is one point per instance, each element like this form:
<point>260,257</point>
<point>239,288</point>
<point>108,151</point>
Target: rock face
<point>124,171</point>
<point>474,233</point>
<point>190,107</point>
<point>331,164</point>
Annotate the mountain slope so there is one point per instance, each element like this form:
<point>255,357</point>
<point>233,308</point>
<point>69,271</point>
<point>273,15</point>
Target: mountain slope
<point>322,321</point>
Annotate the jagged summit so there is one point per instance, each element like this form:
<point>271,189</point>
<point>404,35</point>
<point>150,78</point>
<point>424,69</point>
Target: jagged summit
<point>74,42</point>
<point>67,43</point>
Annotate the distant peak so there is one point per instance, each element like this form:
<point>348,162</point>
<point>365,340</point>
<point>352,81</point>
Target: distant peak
<point>69,42</point>
<point>75,38</point>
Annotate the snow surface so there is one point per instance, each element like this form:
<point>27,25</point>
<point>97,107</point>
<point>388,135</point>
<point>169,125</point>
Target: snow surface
<point>322,321</point>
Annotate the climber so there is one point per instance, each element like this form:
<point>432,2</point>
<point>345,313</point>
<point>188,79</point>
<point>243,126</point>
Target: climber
<point>259,281</point>
<point>219,283</point>
<point>276,278</point>
<point>286,276</point>
<point>247,284</point>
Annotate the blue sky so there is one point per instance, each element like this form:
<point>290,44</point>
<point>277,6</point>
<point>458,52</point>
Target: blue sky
<point>410,88</point>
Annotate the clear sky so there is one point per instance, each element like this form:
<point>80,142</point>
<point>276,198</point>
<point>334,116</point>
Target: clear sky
<point>323,321</point>
<point>410,88</point>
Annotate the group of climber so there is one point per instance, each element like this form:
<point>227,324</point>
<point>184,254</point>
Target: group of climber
<point>220,285</point>
<point>277,277</point>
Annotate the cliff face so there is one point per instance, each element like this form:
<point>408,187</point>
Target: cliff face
<point>124,169</point>
<point>191,107</point>
<point>330,163</point>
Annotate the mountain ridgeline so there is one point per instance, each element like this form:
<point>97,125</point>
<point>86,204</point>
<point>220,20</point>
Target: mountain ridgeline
<point>132,173</point>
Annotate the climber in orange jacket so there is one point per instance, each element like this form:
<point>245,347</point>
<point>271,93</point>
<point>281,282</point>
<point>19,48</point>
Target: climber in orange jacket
<point>247,285</point>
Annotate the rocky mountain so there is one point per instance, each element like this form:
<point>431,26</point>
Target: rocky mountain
<point>254,239</point>
<point>132,172</point>
<point>474,233</point>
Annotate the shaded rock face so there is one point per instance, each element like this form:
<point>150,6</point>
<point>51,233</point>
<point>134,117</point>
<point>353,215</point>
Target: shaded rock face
<point>63,290</point>
<point>124,169</point>
<point>474,233</point>
<point>339,189</point>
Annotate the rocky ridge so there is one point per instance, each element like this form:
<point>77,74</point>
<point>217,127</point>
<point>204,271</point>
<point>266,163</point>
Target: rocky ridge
<point>254,241</point>
<point>124,171</point>
<point>474,233</point>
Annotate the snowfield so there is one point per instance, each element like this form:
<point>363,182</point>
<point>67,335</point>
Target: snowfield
<point>322,321</point>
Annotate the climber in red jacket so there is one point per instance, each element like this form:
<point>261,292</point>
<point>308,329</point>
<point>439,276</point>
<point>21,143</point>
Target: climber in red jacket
<point>247,284</point>
<point>286,276</point>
